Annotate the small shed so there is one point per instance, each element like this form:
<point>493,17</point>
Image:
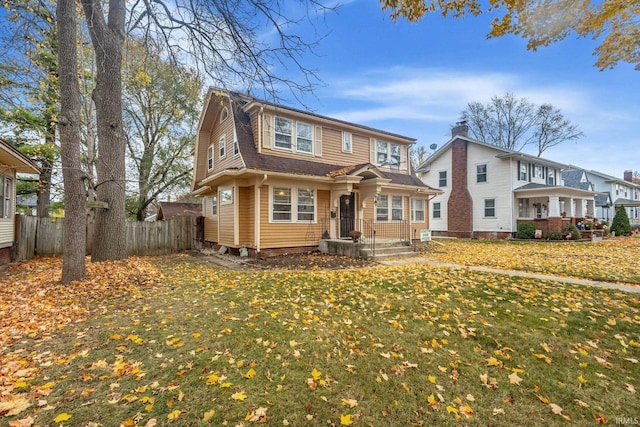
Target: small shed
<point>168,210</point>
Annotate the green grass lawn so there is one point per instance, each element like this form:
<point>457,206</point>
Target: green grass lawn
<point>387,346</point>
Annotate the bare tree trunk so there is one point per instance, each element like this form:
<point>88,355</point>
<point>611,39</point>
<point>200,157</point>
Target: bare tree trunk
<point>73,265</point>
<point>108,43</point>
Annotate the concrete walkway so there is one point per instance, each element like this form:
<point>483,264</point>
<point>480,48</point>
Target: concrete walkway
<point>562,279</point>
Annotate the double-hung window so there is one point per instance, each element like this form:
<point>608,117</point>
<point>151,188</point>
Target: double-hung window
<point>382,208</point>
<point>481,173</point>
<point>394,159</point>
<point>304,138</point>
<point>387,154</point>
<point>522,171</point>
<point>417,210</point>
<point>381,152</point>
<point>436,211</point>
<point>210,157</point>
<point>214,206</point>
<point>283,130</point>
<point>396,208</point>
<point>306,204</point>
<point>236,147</point>
<point>282,204</point>
<point>537,171</point>
<point>346,142</point>
<point>489,208</point>
<point>442,179</point>
<point>222,147</point>
<point>551,176</point>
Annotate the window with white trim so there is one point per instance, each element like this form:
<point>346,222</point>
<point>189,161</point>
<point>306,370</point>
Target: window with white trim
<point>222,146</point>
<point>382,208</point>
<point>397,208</point>
<point>381,152</point>
<point>306,204</point>
<point>6,188</point>
<point>283,131</point>
<point>304,138</point>
<point>551,176</point>
<point>292,204</point>
<point>210,157</point>
<point>537,171</point>
<point>436,210</point>
<point>442,179</point>
<point>489,208</point>
<point>236,147</point>
<point>417,210</point>
<point>522,173</point>
<point>214,206</point>
<point>394,158</point>
<point>346,142</point>
<point>224,114</point>
<point>387,154</point>
<point>481,173</point>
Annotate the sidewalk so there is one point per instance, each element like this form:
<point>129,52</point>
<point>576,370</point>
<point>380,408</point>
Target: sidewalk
<point>561,279</point>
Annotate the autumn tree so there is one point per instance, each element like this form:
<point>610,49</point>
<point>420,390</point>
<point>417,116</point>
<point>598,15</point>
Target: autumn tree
<point>614,22</point>
<point>161,110</point>
<point>514,124</point>
<point>221,38</point>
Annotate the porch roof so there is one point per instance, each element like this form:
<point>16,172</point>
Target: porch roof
<point>627,202</point>
<point>16,160</point>
<point>532,189</point>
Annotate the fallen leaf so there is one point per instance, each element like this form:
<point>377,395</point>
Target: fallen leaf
<point>13,405</point>
<point>239,396</point>
<point>208,415</point>
<point>62,417</point>
<point>515,379</point>
<point>345,420</point>
<point>351,403</point>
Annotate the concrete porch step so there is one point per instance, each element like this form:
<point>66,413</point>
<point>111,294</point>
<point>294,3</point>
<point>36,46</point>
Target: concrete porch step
<point>388,250</point>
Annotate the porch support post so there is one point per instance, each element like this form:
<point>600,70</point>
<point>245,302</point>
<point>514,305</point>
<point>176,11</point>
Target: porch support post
<point>572,210</point>
<point>554,206</point>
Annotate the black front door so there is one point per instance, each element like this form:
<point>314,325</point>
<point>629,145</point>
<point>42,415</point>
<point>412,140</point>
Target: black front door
<point>347,214</point>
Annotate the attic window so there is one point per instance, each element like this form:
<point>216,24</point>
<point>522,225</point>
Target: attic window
<point>224,114</point>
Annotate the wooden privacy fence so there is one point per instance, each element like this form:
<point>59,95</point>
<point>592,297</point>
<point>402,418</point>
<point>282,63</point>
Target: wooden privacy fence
<point>43,236</point>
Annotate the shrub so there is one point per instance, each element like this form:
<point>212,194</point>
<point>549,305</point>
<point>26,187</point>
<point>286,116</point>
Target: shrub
<point>554,235</point>
<point>526,230</point>
<point>620,223</point>
<point>572,232</point>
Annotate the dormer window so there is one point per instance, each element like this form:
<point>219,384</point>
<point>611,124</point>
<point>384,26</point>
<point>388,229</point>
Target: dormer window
<point>224,114</point>
<point>283,129</point>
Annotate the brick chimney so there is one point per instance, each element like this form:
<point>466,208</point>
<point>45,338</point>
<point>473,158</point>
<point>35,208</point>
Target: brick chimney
<point>460,204</point>
<point>628,175</point>
<point>460,129</point>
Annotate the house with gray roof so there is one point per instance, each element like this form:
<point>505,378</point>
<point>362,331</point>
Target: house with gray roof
<point>487,190</point>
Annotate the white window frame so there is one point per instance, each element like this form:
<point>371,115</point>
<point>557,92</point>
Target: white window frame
<point>382,148</point>
<point>277,130</point>
<point>382,212</point>
<point>551,177</point>
<point>436,210</point>
<point>480,174</point>
<point>224,114</point>
<point>522,173</point>
<point>236,146</point>
<point>394,210</point>
<point>299,138</point>
<point>486,201</point>
<point>295,213</point>
<point>347,142</point>
<point>537,171</point>
<point>417,209</point>
<point>222,147</point>
<point>6,197</point>
<point>214,205</point>
<point>210,157</point>
<point>390,159</point>
<point>440,179</point>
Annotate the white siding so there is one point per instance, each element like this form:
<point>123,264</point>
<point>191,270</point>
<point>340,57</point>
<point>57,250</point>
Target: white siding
<point>6,232</point>
<point>431,178</point>
<point>498,187</point>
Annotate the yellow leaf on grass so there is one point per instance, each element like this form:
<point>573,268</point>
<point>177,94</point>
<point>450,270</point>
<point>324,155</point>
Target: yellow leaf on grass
<point>239,396</point>
<point>351,403</point>
<point>492,361</point>
<point>543,399</point>
<point>315,374</point>
<point>345,420</point>
<point>250,373</point>
<point>630,388</point>
<point>454,411</point>
<point>515,379</point>
<point>128,423</point>
<point>62,417</point>
<point>208,415</point>
<point>432,401</point>
<point>432,379</point>
<point>543,357</point>
<point>174,415</point>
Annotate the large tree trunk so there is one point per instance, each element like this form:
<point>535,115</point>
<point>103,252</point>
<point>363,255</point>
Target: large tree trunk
<point>108,43</point>
<point>73,265</point>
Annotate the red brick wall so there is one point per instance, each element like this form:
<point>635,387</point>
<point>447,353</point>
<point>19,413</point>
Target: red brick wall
<point>460,204</point>
<point>5,256</point>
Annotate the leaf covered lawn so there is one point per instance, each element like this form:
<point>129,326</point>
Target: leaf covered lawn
<point>612,260</point>
<point>172,341</point>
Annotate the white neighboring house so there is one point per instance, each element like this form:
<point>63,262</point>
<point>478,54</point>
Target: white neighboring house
<point>12,162</point>
<point>488,190</point>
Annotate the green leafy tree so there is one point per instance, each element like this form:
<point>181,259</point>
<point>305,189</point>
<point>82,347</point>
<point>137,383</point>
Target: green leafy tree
<point>515,123</point>
<point>162,102</point>
<point>620,223</point>
<point>29,98</point>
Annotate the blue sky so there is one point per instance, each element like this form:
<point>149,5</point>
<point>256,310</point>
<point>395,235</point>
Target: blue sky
<point>415,79</point>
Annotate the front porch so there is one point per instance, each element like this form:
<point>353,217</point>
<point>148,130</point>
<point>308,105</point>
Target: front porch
<point>553,209</point>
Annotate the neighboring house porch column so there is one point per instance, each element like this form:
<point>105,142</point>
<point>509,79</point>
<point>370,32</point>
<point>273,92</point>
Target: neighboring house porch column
<point>572,208</point>
<point>554,206</point>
